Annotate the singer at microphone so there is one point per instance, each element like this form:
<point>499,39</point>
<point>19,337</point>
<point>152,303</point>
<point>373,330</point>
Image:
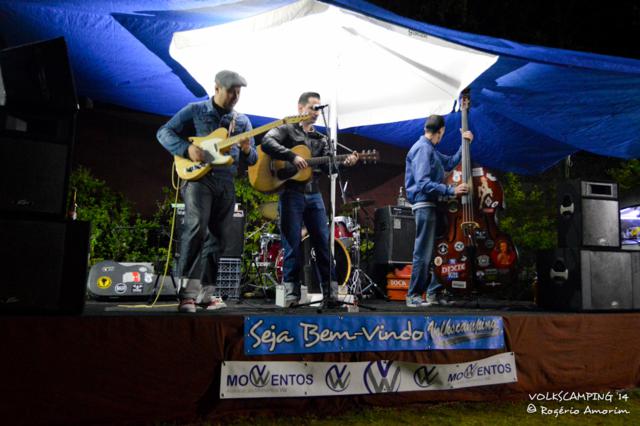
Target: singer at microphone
<point>319,107</point>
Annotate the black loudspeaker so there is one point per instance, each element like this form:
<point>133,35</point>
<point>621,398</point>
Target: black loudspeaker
<point>34,178</point>
<point>44,266</point>
<point>395,234</point>
<point>574,279</point>
<point>38,106</point>
<point>37,76</point>
<point>235,234</point>
<point>589,215</point>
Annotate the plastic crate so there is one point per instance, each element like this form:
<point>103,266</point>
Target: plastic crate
<point>229,276</point>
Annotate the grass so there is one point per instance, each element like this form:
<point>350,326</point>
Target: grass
<point>468,413</point>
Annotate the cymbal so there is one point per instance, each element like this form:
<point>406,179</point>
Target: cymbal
<point>357,204</point>
<point>269,210</point>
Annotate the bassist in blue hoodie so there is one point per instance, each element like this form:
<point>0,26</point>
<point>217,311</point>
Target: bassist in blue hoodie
<point>424,177</point>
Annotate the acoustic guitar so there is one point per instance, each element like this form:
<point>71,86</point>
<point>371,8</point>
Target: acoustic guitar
<point>216,143</point>
<point>268,175</point>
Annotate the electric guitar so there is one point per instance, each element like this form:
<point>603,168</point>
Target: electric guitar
<point>216,143</point>
<point>268,175</point>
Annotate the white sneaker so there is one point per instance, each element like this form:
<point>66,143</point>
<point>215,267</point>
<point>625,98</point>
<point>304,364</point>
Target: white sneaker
<point>415,301</point>
<point>215,303</point>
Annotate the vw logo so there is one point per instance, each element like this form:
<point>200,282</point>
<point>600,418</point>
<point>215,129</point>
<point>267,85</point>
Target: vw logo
<point>258,376</point>
<point>425,376</point>
<point>382,377</point>
<point>336,379</point>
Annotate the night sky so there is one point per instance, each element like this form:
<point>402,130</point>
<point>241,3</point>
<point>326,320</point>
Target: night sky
<point>611,28</point>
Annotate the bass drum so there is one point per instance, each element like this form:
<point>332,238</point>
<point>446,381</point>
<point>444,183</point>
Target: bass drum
<point>309,274</point>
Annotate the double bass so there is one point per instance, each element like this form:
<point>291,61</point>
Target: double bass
<point>473,254</point>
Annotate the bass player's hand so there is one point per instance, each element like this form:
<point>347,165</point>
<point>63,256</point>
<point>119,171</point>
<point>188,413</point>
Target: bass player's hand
<point>461,189</point>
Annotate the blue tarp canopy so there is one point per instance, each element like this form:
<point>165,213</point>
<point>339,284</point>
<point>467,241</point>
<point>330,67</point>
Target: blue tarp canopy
<point>533,107</point>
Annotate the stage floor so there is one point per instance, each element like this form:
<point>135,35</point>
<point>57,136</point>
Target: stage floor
<point>480,306</point>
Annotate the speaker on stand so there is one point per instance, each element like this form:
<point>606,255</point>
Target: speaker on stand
<point>588,214</point>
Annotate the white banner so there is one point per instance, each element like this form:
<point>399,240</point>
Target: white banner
<point>276,379</point>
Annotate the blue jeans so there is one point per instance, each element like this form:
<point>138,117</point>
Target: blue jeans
<point>296,208</point>
<point>425,218</point>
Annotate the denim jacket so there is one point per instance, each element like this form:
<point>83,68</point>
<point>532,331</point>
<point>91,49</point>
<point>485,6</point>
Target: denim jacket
<point>424,172</point>
<point>200,119</point>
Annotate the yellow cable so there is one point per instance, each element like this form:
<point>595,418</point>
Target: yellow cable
<point>176,185</point>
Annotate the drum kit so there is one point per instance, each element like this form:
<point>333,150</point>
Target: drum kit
<point>269,259</point>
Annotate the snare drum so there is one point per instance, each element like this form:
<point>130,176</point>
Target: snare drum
<point>270,246</point>
<point>345,230</point>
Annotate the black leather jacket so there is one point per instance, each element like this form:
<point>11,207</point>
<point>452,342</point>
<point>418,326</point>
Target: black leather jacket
<point>278,143</point>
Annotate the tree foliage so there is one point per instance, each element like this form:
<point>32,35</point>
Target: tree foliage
<point>530,216</point>
<point>119,233</point>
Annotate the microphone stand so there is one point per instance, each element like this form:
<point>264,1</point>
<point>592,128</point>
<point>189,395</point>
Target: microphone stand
<point>327,302</point>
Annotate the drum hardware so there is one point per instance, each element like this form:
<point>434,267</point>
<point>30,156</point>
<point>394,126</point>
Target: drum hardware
<point>261,262</point>
<point>359,276</point>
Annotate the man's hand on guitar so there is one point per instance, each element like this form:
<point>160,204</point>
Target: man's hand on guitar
<point>461,189</point>
<point>196,154</point>
<point>299,162</point>
<point>245,146</point>
<point>351,159</point>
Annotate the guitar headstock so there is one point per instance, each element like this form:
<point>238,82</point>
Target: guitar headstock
<point>293,119</point>
<point>369,156</point>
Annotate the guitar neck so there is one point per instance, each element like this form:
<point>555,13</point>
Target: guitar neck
<point>316,161</point>
<point>251,133</point>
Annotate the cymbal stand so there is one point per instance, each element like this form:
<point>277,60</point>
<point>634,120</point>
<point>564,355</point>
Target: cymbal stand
<point>358,274</point>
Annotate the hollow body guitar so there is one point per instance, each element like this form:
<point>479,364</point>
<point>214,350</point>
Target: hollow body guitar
<point>215,146</point>
<point>268,174</point>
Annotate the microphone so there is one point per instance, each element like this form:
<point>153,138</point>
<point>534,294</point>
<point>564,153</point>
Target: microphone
<point>319,107</point>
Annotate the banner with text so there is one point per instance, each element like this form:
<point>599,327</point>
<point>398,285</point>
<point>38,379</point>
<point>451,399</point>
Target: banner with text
<point>279,379</point>
<point>265,335</point>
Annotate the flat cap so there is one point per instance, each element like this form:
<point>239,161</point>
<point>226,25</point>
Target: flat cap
<point>227,79</point>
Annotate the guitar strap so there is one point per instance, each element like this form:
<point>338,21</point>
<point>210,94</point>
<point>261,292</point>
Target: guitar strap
<point>232,124</point>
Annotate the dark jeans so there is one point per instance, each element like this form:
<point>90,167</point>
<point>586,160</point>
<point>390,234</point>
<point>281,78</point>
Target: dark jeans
<point>425,218</point>
<point>296,208</point>
<point>209,204</point>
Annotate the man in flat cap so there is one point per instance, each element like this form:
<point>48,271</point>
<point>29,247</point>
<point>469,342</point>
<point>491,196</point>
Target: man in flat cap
<point>209,201</point>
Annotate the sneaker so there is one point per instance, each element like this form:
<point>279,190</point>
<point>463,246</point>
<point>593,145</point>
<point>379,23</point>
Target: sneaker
<point>187,306</point>
<point>439,299</point>
<point>215,303</point>
<point>415,301</point>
